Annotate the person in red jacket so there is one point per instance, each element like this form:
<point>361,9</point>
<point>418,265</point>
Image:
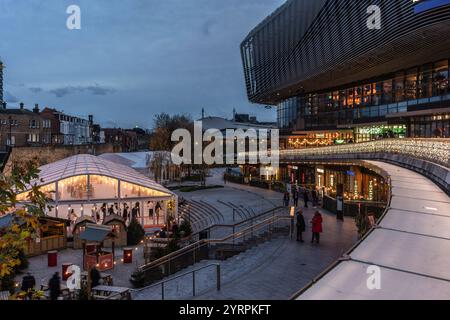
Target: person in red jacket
<point>316,227</point>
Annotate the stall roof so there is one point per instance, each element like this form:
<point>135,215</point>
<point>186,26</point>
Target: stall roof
<point>95,233</point>
<point>91,165</point>
<point>113,217</point>
<point>6,220</point>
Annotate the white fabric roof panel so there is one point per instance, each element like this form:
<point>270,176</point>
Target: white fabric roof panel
<point>87,164</point>
<point>411,246</point>
<point>348,281</point>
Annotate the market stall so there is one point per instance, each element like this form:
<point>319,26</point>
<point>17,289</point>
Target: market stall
<point>93,254</point>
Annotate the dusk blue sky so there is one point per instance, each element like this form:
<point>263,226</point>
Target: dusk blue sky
<point>131,59</point>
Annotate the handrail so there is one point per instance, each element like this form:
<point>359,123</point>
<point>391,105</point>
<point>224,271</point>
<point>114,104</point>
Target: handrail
<point>237,224</point>
<point>203,242</point>
<point>161,283</point>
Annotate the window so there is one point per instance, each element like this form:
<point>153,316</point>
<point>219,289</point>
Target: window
<point>387,92</point>
<point>34,124</point>
<point>440,78</point>
<point>399,87</point>
<point>424,82</point>
<point>411,84</point>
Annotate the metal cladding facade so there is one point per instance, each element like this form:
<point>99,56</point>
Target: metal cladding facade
<point>314,45</point>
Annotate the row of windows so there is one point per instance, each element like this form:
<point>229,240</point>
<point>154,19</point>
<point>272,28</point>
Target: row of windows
<point>33,124</point>
<point>425,84</point>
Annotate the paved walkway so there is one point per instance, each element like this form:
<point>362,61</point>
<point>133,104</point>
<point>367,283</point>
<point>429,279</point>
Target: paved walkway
<point>411,248</point>
<point>274,270</point>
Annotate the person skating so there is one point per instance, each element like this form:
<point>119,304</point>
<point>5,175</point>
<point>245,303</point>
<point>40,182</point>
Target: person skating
<point>316,227</point>
<point>301,226</point>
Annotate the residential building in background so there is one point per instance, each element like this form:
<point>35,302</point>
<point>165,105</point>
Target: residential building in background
<point>68,129</point>
<point>126,139</point>
<point>21,127</point>
<point>1,83</point>
<point>353,84</point>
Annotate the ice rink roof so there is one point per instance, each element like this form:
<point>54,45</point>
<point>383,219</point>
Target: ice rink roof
<point>91,165</point>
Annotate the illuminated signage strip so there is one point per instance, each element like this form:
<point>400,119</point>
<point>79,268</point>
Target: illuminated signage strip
<point>426,5</point>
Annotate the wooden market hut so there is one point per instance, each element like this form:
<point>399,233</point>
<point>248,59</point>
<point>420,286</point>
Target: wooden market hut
<point>117,223</point>
<point>78,228</point>
<point>52,234</point>
<point>93,238</point>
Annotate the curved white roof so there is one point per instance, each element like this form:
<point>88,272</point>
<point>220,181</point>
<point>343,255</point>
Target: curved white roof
<point>85,164</point>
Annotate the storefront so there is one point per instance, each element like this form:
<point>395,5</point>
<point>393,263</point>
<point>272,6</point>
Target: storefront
<point>313,139</point>
<point>371,133</point>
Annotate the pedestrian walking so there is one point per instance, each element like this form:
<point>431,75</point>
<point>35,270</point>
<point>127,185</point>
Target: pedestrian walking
<point>301,226</point>
<point>316,227</point>
<point>286,199</point>
<point>54,286</point>
<point>296,196</point>
<point>306,198</point>
<point>315,198</point>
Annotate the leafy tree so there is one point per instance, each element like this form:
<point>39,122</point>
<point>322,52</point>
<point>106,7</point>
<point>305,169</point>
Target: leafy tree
<point>163,127</point>
<point>135,233</point>
<point>25,224</point>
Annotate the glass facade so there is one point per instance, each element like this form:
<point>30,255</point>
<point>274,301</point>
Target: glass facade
<point>368,101</point>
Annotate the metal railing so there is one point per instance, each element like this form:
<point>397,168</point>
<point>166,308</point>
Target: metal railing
<point>193,272</point>
<point>221,248</point>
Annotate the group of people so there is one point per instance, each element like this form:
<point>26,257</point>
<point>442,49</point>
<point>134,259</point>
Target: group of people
<point>295,193</point>
<point>316,223</point>
<point>54,284</point>
<point>114,209</point>
<point>29,284</point>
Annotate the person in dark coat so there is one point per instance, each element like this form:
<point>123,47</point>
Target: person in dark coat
<point>286,199</point>
<point>315,197</point>
<point>125,213</point>
<point>95,277</point>
<point>135,211</point>
<point>111,210</point>
<point>295,196</point>
<point>103,209</point>
<point>316,227</point>
<point>301,226</point>
<point>28,283</point>
<point>306,198</point>
<point>54,286</point>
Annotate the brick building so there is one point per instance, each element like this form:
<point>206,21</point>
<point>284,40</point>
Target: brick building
<point>23,128</point>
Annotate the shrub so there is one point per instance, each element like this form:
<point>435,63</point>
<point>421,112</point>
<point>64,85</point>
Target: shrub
<point>185,228</point>
<point>135,233</point>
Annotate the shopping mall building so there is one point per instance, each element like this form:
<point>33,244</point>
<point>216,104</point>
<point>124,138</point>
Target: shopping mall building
<point>335,78</point>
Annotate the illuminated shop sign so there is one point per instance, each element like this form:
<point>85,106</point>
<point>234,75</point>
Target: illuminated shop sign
<point>425,5</point>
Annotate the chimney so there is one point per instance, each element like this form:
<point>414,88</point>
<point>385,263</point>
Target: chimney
<point>36,108</point>
<point>4,105</point>
<point>22,105</point>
